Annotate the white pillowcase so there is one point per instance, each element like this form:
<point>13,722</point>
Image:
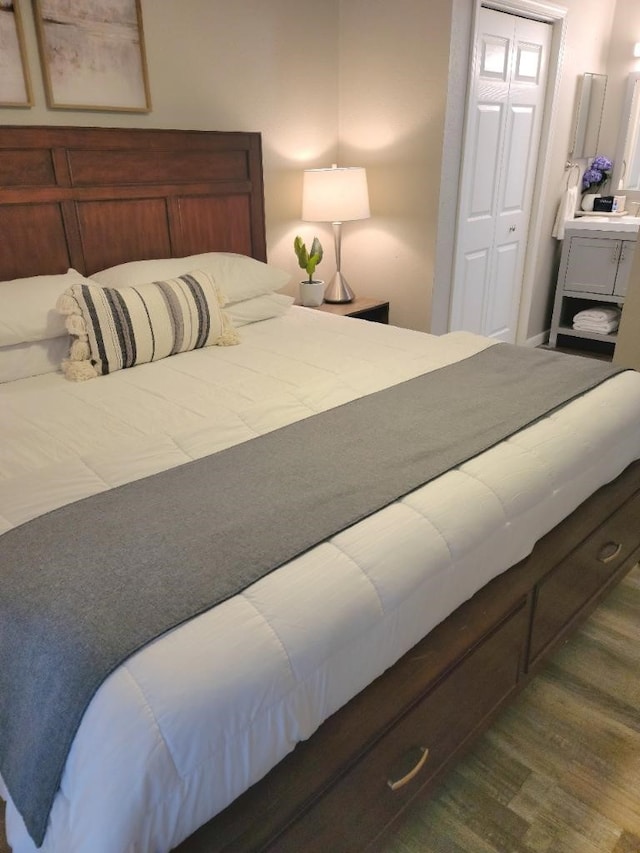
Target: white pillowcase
<point>115,328</point>
<point>238,277</point>
<point>28,307</point>
<point>259,308</point>
<point>33,358</point>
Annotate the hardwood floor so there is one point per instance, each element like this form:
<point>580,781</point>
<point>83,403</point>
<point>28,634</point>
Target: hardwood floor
<point>559,771</point>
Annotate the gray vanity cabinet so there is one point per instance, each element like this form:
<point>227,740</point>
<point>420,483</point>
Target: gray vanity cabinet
<point>594,269</point>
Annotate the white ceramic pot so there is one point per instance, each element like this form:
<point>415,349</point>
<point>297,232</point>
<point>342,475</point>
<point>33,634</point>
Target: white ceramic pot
<point>587,201</point>
<point>311,293</point>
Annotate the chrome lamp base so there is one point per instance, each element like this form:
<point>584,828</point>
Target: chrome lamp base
<point>338,290</point>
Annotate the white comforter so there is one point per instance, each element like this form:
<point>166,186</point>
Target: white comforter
<point>191,721</point>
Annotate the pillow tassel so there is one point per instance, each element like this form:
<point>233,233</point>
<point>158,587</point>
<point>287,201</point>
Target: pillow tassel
<point>80,350</point>
<point>67,304</point>
<point>78,371</point>
<point>76,325</point>
<point>77,366</point>
<point>229,336</point>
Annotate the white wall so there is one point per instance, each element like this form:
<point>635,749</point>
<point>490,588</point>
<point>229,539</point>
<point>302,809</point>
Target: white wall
<point>397,61</point>
<point>393,87</point>
<point>242,65</point>
<point>620,63</point>
<point>588,30</point>
<point>600,38</point>
<point>276,67</point>
<point>359,82</point>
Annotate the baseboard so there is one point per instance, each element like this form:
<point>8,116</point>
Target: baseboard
<point>537,340</point>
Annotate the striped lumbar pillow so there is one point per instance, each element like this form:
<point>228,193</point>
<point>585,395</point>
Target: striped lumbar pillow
<point>118,328</point>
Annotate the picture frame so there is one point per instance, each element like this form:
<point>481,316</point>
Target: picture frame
<point>92,54</point>
<point>15,83</point>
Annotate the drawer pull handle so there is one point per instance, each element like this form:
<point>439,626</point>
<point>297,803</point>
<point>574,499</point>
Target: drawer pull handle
<point>609,552</point>
<point>395,784</point>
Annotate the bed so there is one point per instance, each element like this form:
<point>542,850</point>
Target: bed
<point>305,712</point>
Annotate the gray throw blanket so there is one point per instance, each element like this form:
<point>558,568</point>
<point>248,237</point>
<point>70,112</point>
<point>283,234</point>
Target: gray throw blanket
<point>85,586</point>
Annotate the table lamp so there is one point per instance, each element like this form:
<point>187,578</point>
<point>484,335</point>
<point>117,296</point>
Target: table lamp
<point>335,195</point>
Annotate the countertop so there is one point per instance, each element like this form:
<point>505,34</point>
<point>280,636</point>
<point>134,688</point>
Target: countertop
<point>604,223</point>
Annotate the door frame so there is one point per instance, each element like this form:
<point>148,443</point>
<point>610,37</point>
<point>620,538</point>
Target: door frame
<point>464,31</point>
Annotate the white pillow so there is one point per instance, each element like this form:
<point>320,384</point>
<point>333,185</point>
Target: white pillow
<point>259,308</point>
<point>237,276</point>
<point>28,307</point>
<point>115,328</point>
<point>33,358</point>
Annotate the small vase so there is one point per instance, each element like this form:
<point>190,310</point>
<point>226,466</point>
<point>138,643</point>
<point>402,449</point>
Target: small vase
<point>587,201</point>
<point>311,293</point>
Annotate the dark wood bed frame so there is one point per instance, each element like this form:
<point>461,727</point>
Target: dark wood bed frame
<point>94,197</point>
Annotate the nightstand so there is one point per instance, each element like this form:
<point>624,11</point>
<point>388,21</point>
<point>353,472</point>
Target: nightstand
<point>365,309</point>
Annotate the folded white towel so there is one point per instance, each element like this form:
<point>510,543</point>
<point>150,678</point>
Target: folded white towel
<point>597,314</point>
<point>566,211</point>
<point>602,328</point>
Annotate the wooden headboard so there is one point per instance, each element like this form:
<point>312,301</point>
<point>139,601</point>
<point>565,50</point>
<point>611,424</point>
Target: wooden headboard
<point>89,198</point>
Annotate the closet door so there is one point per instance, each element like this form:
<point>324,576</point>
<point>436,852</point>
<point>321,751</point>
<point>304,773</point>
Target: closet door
<point>502,137</point>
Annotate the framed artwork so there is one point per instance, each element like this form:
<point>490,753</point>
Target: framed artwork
<point>15,85</point>
<point>92,54</point>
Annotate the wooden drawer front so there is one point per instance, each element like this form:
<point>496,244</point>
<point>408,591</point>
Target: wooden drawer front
<point>362,798</point>
<point>575,583</point>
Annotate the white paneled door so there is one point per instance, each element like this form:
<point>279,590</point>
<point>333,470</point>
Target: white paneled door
<point>502,136</point>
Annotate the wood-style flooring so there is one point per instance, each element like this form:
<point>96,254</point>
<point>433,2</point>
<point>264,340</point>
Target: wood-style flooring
<point>559,770</point>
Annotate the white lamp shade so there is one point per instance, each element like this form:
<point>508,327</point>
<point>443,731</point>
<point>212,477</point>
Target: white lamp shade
<point>338,194</point>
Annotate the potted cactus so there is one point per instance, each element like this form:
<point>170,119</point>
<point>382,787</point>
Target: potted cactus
<point>311,289</point>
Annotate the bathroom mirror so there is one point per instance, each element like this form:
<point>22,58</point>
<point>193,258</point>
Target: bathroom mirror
<point>626,170</point>
<point>591,92</point>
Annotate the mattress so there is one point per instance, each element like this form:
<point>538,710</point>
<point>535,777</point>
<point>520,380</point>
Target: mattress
<point>192,720</point>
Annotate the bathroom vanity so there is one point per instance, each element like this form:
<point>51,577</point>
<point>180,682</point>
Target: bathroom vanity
<point>595,264</point>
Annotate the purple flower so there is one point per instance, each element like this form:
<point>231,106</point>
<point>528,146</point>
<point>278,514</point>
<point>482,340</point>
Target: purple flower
<point>598,172</point>
<point>591,177</point>
<point>601,163</point>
